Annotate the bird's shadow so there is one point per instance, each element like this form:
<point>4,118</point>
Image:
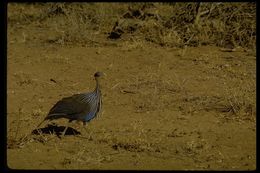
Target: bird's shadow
<point>54,129</point>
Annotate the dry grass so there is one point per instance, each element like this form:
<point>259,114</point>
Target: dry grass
<point>158,100</point>
<point>241,104</point>
<point>174,24</point>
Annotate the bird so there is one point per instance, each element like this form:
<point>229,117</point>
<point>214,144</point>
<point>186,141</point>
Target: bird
<point>81,107</point>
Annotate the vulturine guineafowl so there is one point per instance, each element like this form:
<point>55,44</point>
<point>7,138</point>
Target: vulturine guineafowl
<point>82,107</point>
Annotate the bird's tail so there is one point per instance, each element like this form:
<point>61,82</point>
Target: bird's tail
<point>40,123</point>
<point>51,117</point>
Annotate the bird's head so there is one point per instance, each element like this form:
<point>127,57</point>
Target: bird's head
<point>99,74</point>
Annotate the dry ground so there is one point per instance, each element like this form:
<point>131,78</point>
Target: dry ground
<point>164,108</point>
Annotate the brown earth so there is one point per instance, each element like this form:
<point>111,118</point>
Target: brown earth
<point>190,108</point>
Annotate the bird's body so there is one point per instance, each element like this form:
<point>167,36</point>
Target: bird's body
<point>82,107</point>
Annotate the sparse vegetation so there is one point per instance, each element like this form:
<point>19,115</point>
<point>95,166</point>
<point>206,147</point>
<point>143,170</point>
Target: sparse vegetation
<point>165,24</point>
<point>180,90</point>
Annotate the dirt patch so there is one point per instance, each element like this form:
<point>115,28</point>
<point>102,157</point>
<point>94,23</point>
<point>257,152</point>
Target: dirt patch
<point>171,108</point>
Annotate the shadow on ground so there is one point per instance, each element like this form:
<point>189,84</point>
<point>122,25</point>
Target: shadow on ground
<point>54,129</point>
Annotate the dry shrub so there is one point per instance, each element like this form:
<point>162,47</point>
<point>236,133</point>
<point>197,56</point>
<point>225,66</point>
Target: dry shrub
<point>241,104</point>
<point>239,23</point>
<point>220,23</point>
<point>171,24</point>
<point>154,32</point>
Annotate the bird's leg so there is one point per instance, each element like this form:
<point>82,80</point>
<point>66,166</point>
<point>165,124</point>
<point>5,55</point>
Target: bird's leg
<point>63,133</point>
<point>87,132</point>
<point>84,126</point>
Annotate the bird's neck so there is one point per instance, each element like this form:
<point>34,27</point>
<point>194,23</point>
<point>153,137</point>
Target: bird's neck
<point>97,85</point>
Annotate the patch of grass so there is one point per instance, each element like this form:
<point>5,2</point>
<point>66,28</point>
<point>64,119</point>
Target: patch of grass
<point>165,24</point>
<point>13,143</point>
<point>84,156</point>
<point>241,104</point>
<point>133,45</point>
<point>15,139</point>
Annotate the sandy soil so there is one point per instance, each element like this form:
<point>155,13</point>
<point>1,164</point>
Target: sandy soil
<point>164,108</point>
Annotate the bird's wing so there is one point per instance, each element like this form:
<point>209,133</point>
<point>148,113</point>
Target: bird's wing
<point>69,107</point>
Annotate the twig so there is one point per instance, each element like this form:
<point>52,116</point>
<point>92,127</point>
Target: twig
<point>127,91</point>
<point>115,85</point>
